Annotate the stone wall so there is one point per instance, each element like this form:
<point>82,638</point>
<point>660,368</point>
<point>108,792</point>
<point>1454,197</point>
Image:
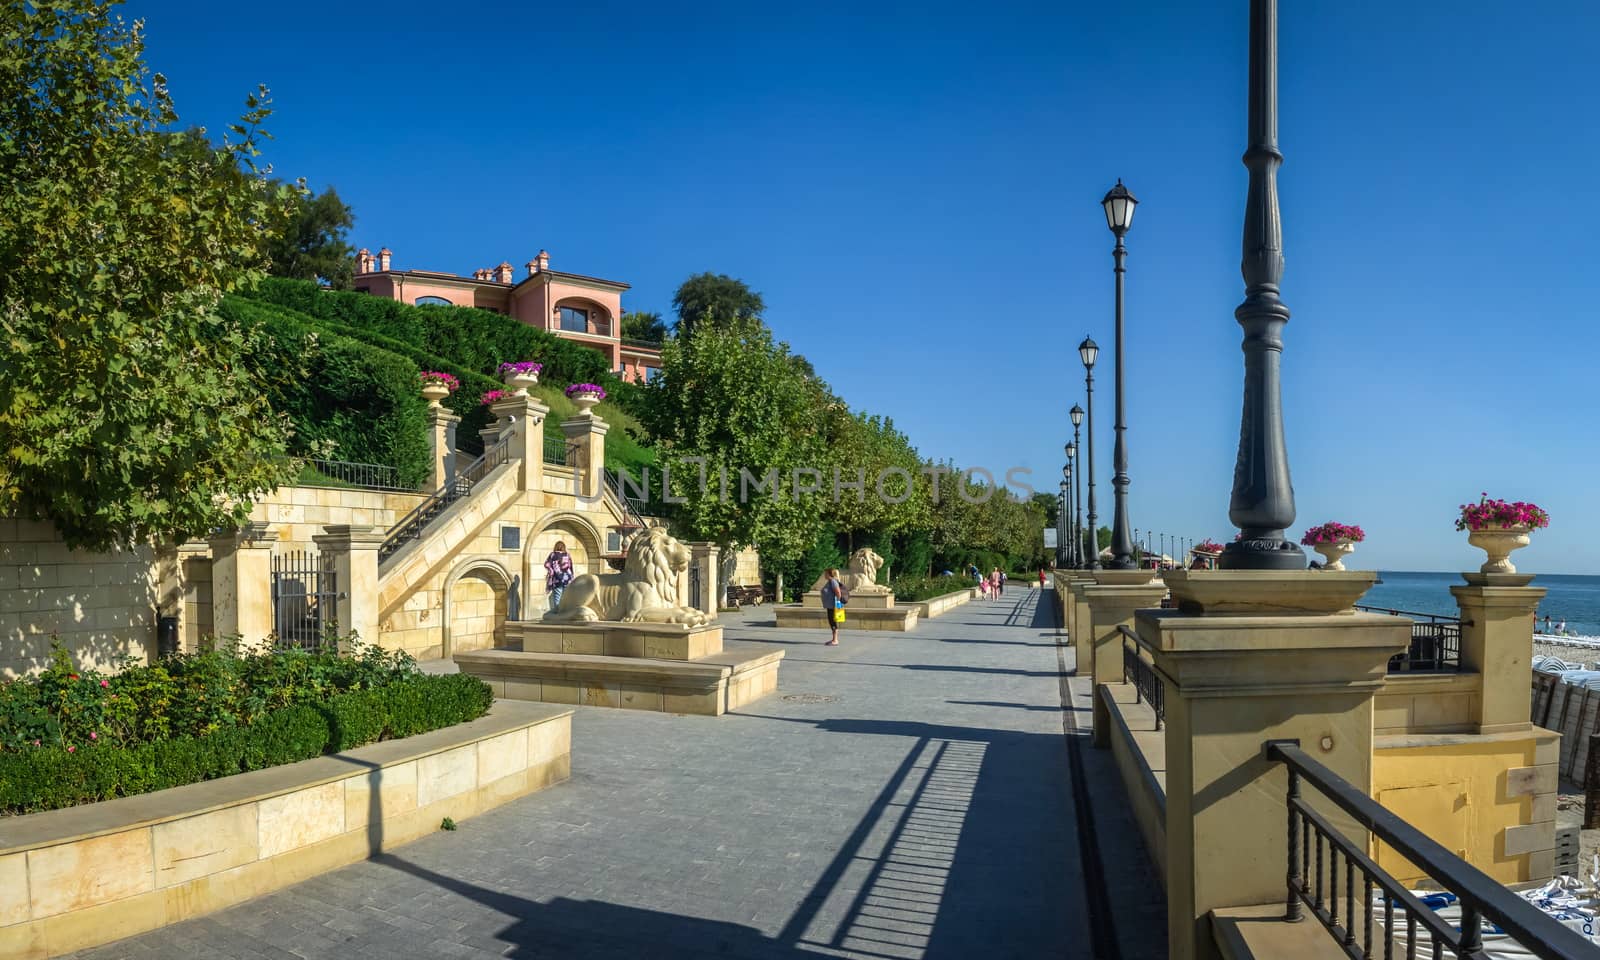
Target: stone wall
<point>100,606</point>
<point>299,513</point>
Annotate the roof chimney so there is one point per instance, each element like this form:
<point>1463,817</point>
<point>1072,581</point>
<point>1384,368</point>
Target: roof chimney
<point>542,260</point>
<point>502,273</point>
<point>383,258</point>
<point>363,260</point>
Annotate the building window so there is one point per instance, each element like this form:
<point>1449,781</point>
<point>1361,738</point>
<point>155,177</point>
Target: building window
<point>433,302</point>
<point>574,320</point>
<point>652,374</point>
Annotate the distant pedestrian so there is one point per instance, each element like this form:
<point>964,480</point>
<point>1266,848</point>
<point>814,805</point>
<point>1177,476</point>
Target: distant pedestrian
<point>1547,623</point>
<point>1002,583</point>
<point>557,573</point>
<point>834,597</point>
<point>994,582</point>
<point>1561,628</point>
<point>1041,578</point>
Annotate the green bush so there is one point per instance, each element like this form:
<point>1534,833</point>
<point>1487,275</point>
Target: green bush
<point>346,399</point>
<point>49,777</point>
<point>918,589</point>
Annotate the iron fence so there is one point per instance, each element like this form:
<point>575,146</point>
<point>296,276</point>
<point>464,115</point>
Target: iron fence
<point>305,600</point>
<point>1421,930</point>
<point>1435,642</point>
<point>555,449</point>
<point>1147,687</point>
<point>372,476</point>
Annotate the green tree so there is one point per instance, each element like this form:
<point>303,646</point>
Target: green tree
<point>644,325</point>
<point>730,398</point>
<point>312,244</point>
<point>716,298</point>
<point>125,411</point>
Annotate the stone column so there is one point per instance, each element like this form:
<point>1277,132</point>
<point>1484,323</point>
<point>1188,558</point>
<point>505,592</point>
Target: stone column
<point>586,452</point>
<point>1257,655</point>
<point>703,557</point>
<point>442,436</point>
<point>194,562</point>
<point>241,583</point>
<point>1112,599</point>
<point>351,550</point>
<point>1497,642</point>
<point>524,415</point>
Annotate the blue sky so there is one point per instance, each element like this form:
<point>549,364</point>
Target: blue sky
<point>914,189</point>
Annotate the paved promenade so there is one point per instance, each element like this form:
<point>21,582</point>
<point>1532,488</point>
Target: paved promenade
<point>901,796</point>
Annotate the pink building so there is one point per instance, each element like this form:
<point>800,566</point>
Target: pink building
<point>583,309</point>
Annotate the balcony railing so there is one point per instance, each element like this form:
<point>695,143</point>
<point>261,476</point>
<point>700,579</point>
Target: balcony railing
<point>1146,683</point>
<point>1435,642</point>
<point>555,449</point>
<point>638,344</point>
<point>1351,913</point>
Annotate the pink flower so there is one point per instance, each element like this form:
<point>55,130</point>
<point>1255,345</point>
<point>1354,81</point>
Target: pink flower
<point>105,683</point>
<point>72,749</point>
<point>93,735</point>
<point>36,743</point>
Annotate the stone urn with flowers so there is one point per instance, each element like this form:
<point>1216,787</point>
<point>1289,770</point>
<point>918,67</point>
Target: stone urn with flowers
<point>520,376</point>
<point>1333,541</point>
<point>1498,527</point>
<point>586,395</point>
<point>436,386</point>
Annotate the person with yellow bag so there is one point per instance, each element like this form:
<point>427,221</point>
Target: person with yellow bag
<point>834,597</point>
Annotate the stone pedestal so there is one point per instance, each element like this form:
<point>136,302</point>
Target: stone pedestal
<point>1081,627</point>
<point>525,416</point>
<point>1497,641</point>
<point>1112,605</point>
<point>659,641</point>
<point>586,454</point>
<point>858,601</point>
<point>352,551</point>
<point>241,583</point>
<point>442,437</point>
<point>1234,680</point>
<point>703,560</point>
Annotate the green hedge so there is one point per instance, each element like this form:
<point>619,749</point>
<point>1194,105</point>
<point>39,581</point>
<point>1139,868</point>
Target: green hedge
<point>918,589</point>
<point>362,400</point>
<point>477,340</point>
<point>52,777</point>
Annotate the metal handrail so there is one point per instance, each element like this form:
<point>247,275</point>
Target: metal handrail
<point>1435,642</point>
<point>412,524</point>
<point>1482,898</point>
<point>1391,611</point>
<point>1147,685</point>
<point>630,507</point>
<point>636,342</point>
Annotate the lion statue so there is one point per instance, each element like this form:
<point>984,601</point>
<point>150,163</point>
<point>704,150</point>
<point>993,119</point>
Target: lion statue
<point>643,592</point>
<point>862,574</point>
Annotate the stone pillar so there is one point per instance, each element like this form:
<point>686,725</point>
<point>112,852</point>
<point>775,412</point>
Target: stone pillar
<point>351,550</point>
<point>194,574</point>
<point>703,557</point>
<point>1081,632</point>
<point>442,436</point>
<point>1112,598</point>
<point>586,453</point>
<point>241,583</point>
<point>524,415</point>
<point>1257,655</point>
<point>1497,612</point>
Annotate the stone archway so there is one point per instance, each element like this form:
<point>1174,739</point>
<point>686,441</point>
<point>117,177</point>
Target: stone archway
<point>476,605</point>
<point>583,542</point>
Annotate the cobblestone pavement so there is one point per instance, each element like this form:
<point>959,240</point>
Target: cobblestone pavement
<point>901,796</point>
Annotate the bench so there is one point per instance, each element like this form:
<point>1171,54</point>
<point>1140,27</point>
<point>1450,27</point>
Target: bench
<point>740,596</point>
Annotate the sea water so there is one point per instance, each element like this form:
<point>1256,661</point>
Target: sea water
<point>1575,599</point>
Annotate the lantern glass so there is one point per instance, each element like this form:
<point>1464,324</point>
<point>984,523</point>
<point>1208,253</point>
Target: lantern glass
<point>1076,414</point>
<point>1119,204</point>
<point>1088,350</point>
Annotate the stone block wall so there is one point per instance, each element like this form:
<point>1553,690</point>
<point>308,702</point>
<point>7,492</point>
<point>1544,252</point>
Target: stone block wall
<point>299,513</point>
<point>100,606</point>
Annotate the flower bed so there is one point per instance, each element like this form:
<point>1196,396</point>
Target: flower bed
<point>1332,532</point>
<point>70,736</point>
<point>917,589</point>
<point>1489,514</point>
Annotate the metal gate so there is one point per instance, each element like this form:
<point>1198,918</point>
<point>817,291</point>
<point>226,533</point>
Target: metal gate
<point>305,600</point>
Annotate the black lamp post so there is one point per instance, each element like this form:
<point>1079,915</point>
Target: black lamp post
<point>1077,488</point>
<point>1262,504</point>
<point>1088,350</point>
<point>1119,204</point>
<point>1066,515</point>
<point>1063,550</point>
<point>1076,554</point>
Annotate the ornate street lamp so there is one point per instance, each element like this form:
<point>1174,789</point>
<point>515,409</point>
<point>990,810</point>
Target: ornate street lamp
<point>1077,488</point>
<point>1262,504</point>
<point>1088,350</point>
<point>1119,205</point>
<point>1063,551</point>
